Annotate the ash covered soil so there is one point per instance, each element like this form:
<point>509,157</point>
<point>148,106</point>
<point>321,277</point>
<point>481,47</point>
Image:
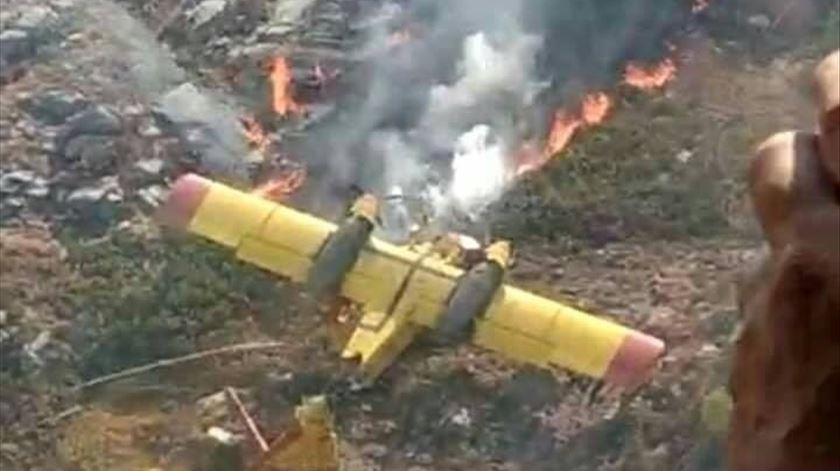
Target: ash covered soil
<point>643,220</point>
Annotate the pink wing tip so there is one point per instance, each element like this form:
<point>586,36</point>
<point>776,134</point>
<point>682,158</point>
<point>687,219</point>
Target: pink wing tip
<point>635,360</point>
<point>184,199</point>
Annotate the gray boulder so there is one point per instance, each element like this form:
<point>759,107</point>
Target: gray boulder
<point>54,107</point>
<point>96,206</point>
<point>15,46</point>
<point>148,171</point>
<point>38,19</point>
<point>34,26</point>
<point>291,12</point>
<point>208,127</point>
<point>96,154</point>
<point>96,120</point>
<point>13,182</point>
<point>205,12</point>
<point>23,182</point>
<point>86,137</point>
<point>151,197</point>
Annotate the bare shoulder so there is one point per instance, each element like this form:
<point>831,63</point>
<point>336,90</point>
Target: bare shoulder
<point>784,176</point>
<point>775,162</point>
<point>787,164</point>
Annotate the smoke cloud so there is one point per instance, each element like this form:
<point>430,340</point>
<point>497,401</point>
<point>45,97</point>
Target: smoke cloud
<point>493,80</point>
<point>479,170</point>
<point>436,107</point>
<point>468,122</point>
<point>207,121</point>
<point>452,88</point>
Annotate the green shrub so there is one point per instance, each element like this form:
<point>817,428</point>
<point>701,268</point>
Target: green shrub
<point>140,300</point>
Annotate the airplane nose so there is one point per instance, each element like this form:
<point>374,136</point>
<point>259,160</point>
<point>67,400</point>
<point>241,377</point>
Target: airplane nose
<point>635,360</point>
<point>184,199</point>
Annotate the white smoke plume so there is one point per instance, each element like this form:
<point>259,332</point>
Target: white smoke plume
<point>493,80</point>
<point>472,121</point>
<point>480,170</point>
<point>506,65</point>
<point>453,154</point>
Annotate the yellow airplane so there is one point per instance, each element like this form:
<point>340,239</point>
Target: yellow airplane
<point>404,291</point>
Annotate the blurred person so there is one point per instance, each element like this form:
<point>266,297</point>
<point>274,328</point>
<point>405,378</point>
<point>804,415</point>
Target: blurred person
<point>785,381</point>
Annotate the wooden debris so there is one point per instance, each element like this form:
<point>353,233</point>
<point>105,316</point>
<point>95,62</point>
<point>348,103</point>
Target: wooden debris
<point>249,421</point>
<point>311,445</point>
<point>120,375</point>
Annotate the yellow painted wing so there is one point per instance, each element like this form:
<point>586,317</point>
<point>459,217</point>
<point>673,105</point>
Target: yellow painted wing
<point>403,291</point>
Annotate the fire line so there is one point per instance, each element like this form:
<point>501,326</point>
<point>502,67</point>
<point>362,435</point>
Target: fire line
<point>283,101</point>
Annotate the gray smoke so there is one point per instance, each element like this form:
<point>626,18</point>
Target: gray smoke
<point>495,68</point>
<point>209,127</point>
<point>492,80</point>
<point>452,94</point>
<point>153,71</point>
<point>207,121</point>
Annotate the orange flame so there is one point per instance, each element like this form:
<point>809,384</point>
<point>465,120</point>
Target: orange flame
<point>254,134</point>
<point>650,78</point>
<point>282,88</point>
<point>563,128</point>
<point>281,186</point>
<point>593,110</point>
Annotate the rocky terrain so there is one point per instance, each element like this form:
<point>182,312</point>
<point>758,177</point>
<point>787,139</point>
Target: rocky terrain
<point>103,103</point>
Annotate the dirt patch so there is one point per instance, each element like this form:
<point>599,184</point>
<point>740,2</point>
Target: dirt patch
<point>34,274</point>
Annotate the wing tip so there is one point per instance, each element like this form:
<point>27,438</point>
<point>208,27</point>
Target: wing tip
<point>184,199</point>
<point>635,360</point>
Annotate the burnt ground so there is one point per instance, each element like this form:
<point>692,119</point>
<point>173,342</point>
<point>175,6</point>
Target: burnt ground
<point>643,220</point>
